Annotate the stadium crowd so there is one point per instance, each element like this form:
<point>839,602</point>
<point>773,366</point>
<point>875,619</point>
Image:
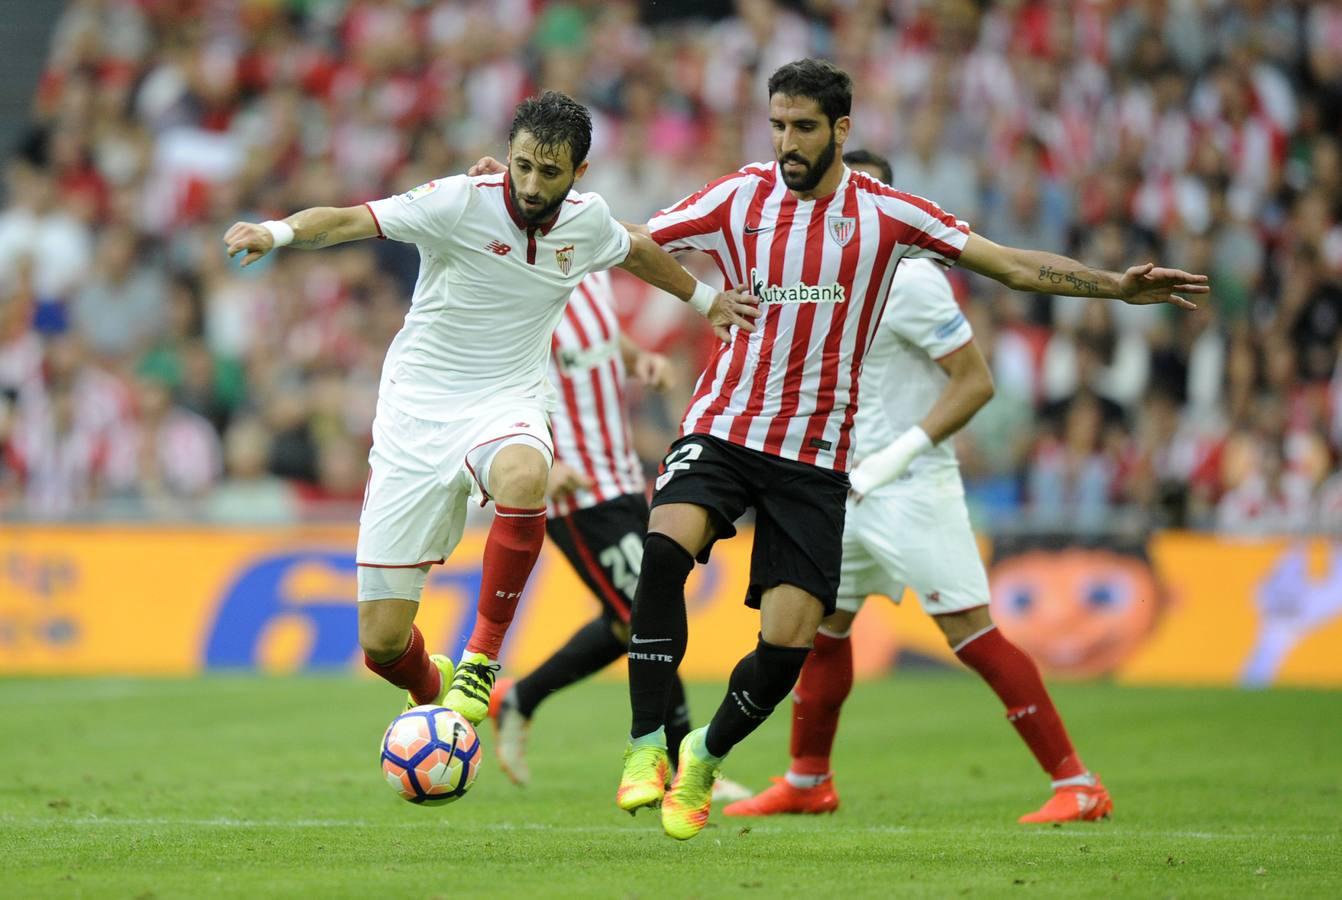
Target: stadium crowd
<point>142,374</point>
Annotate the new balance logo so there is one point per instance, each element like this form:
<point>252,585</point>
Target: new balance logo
<point>635,639</point>
<point>499,248</point>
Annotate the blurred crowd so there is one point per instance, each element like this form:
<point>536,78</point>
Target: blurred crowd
<point>143,374</point>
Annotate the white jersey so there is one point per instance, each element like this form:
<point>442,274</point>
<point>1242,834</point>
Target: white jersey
<point>900,376</point>
<point>590,428</point>
<point>491,290</point>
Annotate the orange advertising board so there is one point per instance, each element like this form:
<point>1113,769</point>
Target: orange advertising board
<point>1182,609</point>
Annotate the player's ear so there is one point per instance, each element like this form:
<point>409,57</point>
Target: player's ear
<point>580,171</point>
<point>841,127</point>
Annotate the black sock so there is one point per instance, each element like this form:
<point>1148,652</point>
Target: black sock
<point>657,631</point>
<point>677,721</point>
<point>758,683</point>
<point>592,647</point>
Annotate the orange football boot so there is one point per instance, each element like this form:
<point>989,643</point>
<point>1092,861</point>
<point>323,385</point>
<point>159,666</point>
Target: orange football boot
<point>783,798</point>
<point>1073,803</point>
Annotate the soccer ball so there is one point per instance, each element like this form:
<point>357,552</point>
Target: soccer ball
<point>430,755</point>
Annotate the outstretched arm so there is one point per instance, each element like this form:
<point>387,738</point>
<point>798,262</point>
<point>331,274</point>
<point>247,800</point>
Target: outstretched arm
<point>969,389</point>
<point>723,309</point>
<point>320,226</point>
<point>1048,273</point>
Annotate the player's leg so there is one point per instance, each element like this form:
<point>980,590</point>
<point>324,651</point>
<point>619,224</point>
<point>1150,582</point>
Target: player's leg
<point>789,617</point>
<point>701,491</point>
<point>825,682</point>
<point>516,473</point>
<point>658,635</point>
<point>1014,677</point>
<point>794,581</point>
<point>393,646</point>
<point>944,567</point>
<point>409,521</point>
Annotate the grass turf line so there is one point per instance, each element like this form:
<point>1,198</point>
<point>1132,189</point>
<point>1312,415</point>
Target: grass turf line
<point>242,786</point>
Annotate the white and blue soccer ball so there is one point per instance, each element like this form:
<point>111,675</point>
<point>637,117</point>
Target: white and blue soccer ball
<point>430,755</point>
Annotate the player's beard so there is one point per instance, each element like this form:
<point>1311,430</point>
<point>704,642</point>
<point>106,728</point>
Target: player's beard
<point>807,181</point>
<point>546,212</point>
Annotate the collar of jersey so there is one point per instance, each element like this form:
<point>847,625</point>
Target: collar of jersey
<point>522,224</point>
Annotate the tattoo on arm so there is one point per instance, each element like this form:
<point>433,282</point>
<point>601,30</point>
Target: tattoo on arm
<point>312,243</point>
<point>1077,281</point>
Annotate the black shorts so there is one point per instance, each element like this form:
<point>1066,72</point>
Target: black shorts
<point>799,510</point>
<point>604,544</point>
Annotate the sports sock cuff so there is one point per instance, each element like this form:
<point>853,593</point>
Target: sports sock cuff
<point>699,747</point>
<point>655,738</point>
<point>834,635</point>
<point>518,512</point>
<point>973,637</point>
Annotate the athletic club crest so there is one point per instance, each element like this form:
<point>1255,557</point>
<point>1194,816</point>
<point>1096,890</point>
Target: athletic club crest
<point>841,228</point>
<point>564,256</point>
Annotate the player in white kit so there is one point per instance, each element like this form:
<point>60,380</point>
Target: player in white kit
<point>464,400</point>
<point>907,524</point>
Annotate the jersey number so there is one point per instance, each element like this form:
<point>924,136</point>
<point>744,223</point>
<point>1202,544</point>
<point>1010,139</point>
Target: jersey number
<point>679,460</point>
<point>624,561</point>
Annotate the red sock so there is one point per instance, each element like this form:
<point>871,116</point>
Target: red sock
<point>412,670</point>
<point>514,542</point>
<point>826,679</point>
<point>1014,677</point>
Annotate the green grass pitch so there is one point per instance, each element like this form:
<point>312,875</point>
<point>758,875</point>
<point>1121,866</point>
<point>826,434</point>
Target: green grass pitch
<point>253,787</point>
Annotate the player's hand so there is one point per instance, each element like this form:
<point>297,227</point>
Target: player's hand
<point>487,165</point>
<point>250,239</point>
<point>1142,285</point>
<point>733,308</point>
<point>652,370</point>
<point>565,480</point>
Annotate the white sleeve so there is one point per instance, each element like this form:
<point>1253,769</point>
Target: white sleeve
<point>698,221</point>
<point>610,238</point>
<point>424,215</point>
<point>923,311</point>
<point>927,230</point>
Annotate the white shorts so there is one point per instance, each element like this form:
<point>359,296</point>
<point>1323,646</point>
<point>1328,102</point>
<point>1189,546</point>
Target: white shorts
<point>423,474</point>
<point>918,537</point>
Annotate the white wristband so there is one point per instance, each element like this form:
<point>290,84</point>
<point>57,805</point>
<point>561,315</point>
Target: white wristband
<point>888,463</point>
<point>702,298</point>
<point>282,232</point>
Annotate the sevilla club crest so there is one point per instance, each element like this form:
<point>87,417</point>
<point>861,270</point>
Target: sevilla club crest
<point>564,257</point>
<point>842,228</point>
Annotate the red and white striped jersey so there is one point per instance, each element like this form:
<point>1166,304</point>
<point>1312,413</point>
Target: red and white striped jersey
<point>822,270</point>
<point>590,427</point>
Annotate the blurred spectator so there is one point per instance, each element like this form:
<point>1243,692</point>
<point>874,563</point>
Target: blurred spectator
<point>124,368</point>
<point>249,493</point>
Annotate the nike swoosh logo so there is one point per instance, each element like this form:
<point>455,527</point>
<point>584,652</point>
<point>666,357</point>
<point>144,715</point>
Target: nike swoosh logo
<point>750,230</point>
<point>634,639</point>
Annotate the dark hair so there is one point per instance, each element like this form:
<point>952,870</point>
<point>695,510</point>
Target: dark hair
<point>555,120</point>
<point>875,160</point>
<point>818,80</point>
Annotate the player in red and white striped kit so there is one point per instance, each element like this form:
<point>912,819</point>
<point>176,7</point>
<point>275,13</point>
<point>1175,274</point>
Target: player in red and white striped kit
<point>597,508</point>
<point>770,423</point>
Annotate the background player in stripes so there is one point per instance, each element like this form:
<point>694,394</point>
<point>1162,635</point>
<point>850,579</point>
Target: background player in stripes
<point>597,510</point>
<point>769,424</point>
<point>906,523</point>
<point>464,399</point>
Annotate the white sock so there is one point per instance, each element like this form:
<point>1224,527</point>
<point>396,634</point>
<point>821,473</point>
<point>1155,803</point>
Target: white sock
<point>806,781</point>
<point>651,739</point>
<point>1086,780</point>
